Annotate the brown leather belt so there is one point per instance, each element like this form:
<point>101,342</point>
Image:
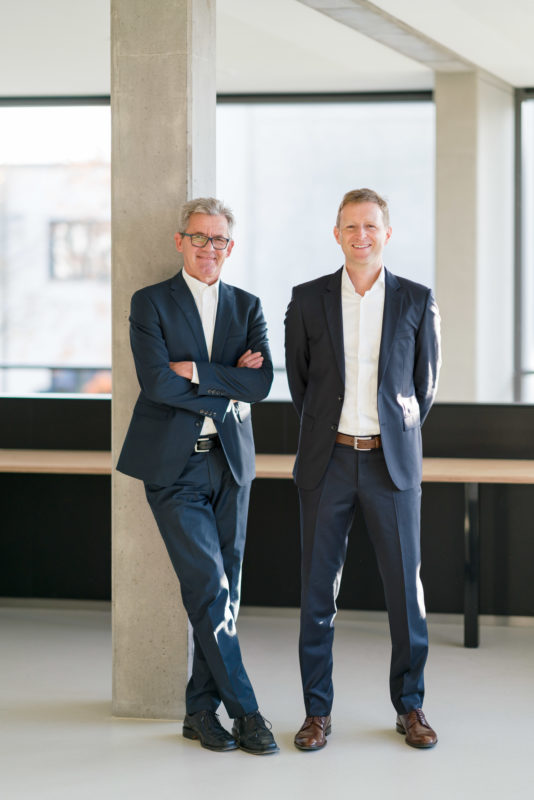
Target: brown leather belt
<point>360,442</point>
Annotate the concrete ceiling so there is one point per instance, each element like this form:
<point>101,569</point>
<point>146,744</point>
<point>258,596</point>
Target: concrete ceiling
<point>290,46</point>
<point>61,47</point>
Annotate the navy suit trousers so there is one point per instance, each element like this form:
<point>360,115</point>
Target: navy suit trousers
<point>392,518</point>
<point>202,518</point>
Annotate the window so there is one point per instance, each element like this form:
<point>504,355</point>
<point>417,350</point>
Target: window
<point>55,306</point>
<point>284,167</point>
<point>80,249</point>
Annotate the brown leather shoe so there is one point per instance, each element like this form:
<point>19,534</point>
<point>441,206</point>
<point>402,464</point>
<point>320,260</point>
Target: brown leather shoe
<point>313,733</point>
<point>418,731</point>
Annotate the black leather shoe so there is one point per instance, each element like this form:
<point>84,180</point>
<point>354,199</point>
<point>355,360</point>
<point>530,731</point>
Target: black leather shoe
<point>253,735</point>
<point>205,726</point>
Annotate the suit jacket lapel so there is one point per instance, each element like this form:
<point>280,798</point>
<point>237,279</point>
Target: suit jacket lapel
<point>222,321</point>
<point>334,318</point>
<point>185,301</point>
<point>392,311</point>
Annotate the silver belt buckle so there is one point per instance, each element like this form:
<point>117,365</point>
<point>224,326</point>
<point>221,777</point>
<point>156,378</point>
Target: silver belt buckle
<point>197,449</point>
<point>362,449</point>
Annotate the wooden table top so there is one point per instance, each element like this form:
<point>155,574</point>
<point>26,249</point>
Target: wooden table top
<point>59,462</point>
<point>435,470</point>
<point>478,470</point>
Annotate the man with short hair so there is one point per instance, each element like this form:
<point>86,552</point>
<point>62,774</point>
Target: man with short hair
<point>202,356</point>
<point>363,355</point>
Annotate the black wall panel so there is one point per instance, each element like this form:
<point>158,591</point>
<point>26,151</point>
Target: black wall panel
<point>55,423</point>
<point>55,538</point>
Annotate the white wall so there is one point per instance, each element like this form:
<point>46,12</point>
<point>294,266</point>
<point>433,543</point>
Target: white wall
<point>495,231</point>
<point>474,237</point>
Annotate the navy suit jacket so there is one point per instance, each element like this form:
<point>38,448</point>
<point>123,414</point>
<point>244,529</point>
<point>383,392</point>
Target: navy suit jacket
<point>408,369</point>
<point>165,326</point>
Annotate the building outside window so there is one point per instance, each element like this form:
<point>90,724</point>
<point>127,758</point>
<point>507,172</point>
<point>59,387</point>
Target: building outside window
<point>55,289</point>
<point>80,249</point>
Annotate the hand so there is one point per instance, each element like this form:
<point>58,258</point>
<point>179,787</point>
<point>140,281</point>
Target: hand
<point>250,360</point>
<point>182,368</point>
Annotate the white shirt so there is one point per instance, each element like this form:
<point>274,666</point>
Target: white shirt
<point>206,299</point>
<point>362,332</point>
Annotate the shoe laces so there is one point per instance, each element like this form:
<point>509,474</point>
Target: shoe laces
<point>421,717</point>
<point>210,719</point>
<point>259,719</point>
<point>319,721</point>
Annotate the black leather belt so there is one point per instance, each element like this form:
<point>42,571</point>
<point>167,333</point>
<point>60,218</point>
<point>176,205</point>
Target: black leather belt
<point>360,442</point>
<point>206,443</point>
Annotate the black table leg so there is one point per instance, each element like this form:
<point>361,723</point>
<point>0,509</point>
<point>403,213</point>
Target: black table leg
<point>472,567</point>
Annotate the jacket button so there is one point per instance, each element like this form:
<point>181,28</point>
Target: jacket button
<point>340,398</point>
<point>333,427</point>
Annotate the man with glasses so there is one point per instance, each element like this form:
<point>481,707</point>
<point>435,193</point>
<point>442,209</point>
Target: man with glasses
<point>363,356</point>
<point>202,356</point>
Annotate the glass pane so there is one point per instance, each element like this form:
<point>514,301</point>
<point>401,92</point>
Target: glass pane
<point>527,293</point>
<point>284,168</point>
<point>55,251</point>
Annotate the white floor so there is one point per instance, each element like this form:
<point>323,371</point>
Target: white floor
<point>58,739</point>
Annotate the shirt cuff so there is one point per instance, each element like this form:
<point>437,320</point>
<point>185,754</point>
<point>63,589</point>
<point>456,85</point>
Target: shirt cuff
<point>195,378</point>
<point>240,410</point>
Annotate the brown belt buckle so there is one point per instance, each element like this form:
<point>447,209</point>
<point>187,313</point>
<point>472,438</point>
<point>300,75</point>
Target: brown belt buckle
<point>359,439</point>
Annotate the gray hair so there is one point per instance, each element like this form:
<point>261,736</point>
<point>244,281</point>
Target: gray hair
<point>364,196</point>
<point>206,205</point>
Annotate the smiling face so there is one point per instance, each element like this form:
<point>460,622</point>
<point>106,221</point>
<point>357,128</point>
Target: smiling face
<point>204,263</point>
<point>362,236</point>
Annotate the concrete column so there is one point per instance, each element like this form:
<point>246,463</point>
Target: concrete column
<point>474,235</point>
<point>163,152</point>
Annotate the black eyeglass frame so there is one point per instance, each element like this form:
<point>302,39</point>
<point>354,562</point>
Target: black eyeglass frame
<point>208,239</point>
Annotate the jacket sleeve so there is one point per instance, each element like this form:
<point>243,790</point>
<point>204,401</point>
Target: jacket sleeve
<point>241,383</point>
<point>297,353</point>
<point>156,379</point>
<point>427,357</point>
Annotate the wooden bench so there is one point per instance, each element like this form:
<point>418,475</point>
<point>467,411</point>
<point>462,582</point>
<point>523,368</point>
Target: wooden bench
<point>471,472</point>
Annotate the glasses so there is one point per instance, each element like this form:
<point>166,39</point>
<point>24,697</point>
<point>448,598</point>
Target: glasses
<point>200,240</point>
